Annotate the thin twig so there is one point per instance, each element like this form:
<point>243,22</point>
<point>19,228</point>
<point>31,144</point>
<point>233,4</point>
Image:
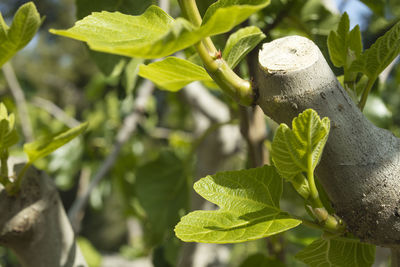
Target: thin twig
<point>200,99</point>
<point>55,111</point>
<point>128,128</point>
<point>20,101</point>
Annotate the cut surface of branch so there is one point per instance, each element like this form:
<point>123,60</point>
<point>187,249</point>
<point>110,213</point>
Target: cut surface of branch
<point>360,166</point>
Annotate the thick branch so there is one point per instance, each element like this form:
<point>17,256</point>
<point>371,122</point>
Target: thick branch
<point>360,165</point>
<point>34,225</point>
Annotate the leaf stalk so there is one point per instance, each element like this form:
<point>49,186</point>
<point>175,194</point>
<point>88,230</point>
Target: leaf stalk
<point>229,82</point>
<point>365,93</point>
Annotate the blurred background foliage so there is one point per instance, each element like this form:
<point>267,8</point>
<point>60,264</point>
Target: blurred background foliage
<point>133,210</point>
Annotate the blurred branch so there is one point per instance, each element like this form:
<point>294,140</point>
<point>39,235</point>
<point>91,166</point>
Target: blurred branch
<point>207,104</point>
<point>386,72</point>
<point>164,4</point>
<point>254,131</point>
<point>128,128</point>
<point>20,101</point>
<point>165,133</point>
<point>216,141</point>
<point>55,111</point>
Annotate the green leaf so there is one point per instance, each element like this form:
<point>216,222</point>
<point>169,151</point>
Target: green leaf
<point>241,43</point>
<point>249,208</point>
<point>150,35</point>
<point>25,24</point>
<point>155,34</point>
<point>162,190</point>
<point>173,73</point>
<point>344,46</point>
<point>107,62</point>
<point>223,15</point>
<point>8,133</point>
<point>131,74</point>
<point>260,260</point>
<point>337,252</point>
<point>299,150</point>
<point>91,255</point>
<point>376,58</point>
<point>44,146</point>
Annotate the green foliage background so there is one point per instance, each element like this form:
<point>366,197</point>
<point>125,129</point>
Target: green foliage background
<point>151,181</point>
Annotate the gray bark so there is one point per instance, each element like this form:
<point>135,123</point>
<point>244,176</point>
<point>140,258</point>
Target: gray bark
<point>360,165</point>
<point>34,225</point>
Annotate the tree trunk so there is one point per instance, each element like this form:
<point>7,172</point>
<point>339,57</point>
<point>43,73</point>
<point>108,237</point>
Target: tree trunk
<point>34,225</point>
<point>360,166</point>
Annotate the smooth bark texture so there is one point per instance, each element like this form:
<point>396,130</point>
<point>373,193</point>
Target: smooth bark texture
<point>34,225</point>
<point>360,165</point>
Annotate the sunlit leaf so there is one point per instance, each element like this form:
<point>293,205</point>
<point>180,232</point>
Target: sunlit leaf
<point>8,133</point>
<point>44,146</point>
<point>337,252</point>
<point>106,62</point>
<point>25,24</point>
<point>249,208</point>
<point>295,151</point>
<point>223,15</point>
<point>91,255</point>
<point>241,43</point>
<point>155,34</point>
<point>344,45</point>
<point>173,73</point>
<point>376,58</point>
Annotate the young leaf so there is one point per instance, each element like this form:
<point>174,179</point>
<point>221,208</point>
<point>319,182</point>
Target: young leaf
<point>155,34</point>
<point>240,44</point>
<point>337,252</point>
<point>299,150</point>
<point>25,24</point>
<point>344,46</point>
<point>173,73</point>
<point>249,208</point>
<point>8,133</point>
<point>43,147</point>
<point>376,58</point>
<point>223,15</point>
